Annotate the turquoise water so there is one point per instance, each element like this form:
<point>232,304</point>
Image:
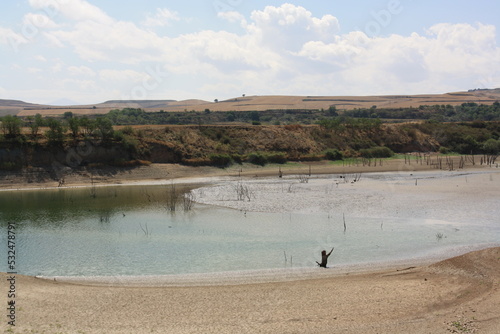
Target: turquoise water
<point>130,231</point>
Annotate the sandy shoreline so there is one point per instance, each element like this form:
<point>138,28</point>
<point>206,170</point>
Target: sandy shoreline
<point>44,179</point>
<point>459,295</point>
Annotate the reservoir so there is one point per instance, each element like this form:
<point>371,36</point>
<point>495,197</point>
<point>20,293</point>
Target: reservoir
<point>173,229</point>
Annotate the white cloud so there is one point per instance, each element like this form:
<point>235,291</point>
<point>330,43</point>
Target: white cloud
<point>233,17</point>
<point>118,41</point>
<point>123,76</point>
<point>11,38</point>
<point>80,71</point>
<point>38,21</point>
<point>402,64</point>
<point>162,17</point>
<point>53,40</point>
<point>57,67</point>
<point>76,10</point>
<point>82,85</point>
<point>288,27</point>
<point>33,70</point>
<point>40,58</point>
<point>280,50</point>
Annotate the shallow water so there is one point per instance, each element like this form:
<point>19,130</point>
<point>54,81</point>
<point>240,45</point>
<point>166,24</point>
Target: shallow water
<point>128,230</point>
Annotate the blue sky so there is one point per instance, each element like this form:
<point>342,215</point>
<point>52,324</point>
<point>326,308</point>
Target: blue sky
<point>90,51</point>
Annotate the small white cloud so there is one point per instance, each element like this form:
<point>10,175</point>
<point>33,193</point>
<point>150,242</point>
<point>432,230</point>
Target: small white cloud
<point>76,10</point>
<point>81,71</point>
<point>38,21</point>
<point>53,40</point>
<point>40,58</point>
<point>84,85</point>
<point>33,70</point>
<point>57,67</point>
<point>162,17</point>
<point>233,17</point>
<point>11,38</point>
<point>122,76</point>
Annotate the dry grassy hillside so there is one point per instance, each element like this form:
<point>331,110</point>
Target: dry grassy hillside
<point>194,144</point>
<point>259,103</point>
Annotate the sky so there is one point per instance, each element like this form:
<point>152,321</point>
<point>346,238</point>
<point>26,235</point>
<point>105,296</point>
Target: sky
<point>89,51</point>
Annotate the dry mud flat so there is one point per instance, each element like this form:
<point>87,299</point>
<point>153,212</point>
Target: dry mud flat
<point>459,196</point>
<point>458,295</point>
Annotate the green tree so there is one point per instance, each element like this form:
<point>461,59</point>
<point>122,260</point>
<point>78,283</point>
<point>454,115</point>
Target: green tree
<point>11,126</point>
<point>88,125</point>
<point>332,111</point>
<point>255,116</point>
<point>74,126</point>
<point>491,146</point>
<point>35,124</point>
<point>104,128</point>
<point>55,134</point>
<point>334,154</point>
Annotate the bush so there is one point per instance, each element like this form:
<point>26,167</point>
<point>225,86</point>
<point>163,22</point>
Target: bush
<point>444,150</point>
<point>276,158</point>
<point>128,130</point>
<point>196,162</point>
<point>130,163</point>
<point>309,157</point>
<point>237,158</point>
<point>130,144</point>
<point>334,155</point>
<point>55,134</point>
<point>257,159</point>
<point>376,152</point>
<point>220,160</point>
<point>9,166</point>
<point>491,146</point>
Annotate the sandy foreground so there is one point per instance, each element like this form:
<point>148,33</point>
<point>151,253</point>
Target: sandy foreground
<point>457,295</point>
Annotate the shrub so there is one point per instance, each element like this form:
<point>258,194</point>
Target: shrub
<point>237,158</point>
<point>220,160</point>
<point>9,166</point>
<point>310,157</point>
<point>118,135</point>
<point>293,127</point>
<point>128,130</point>
<point>55,134</point>
<point>257,159</point>
<point>130,163</point>
<point>334,154</point>
<point>491,146</point>
<point>376,152</point>
<point>276,157</point>
<point>197,162</point>
<point>444,150</point>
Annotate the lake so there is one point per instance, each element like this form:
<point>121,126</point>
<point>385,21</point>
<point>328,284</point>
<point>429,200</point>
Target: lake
<point>133,230</point>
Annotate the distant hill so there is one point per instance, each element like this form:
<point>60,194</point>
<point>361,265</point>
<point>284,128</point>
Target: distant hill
<point>260,103</point>
<point>13,107</point>
<point>149,104</point>
<point>15,104</point>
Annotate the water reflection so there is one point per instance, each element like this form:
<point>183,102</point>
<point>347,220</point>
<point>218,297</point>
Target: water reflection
<point>62,206</point>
